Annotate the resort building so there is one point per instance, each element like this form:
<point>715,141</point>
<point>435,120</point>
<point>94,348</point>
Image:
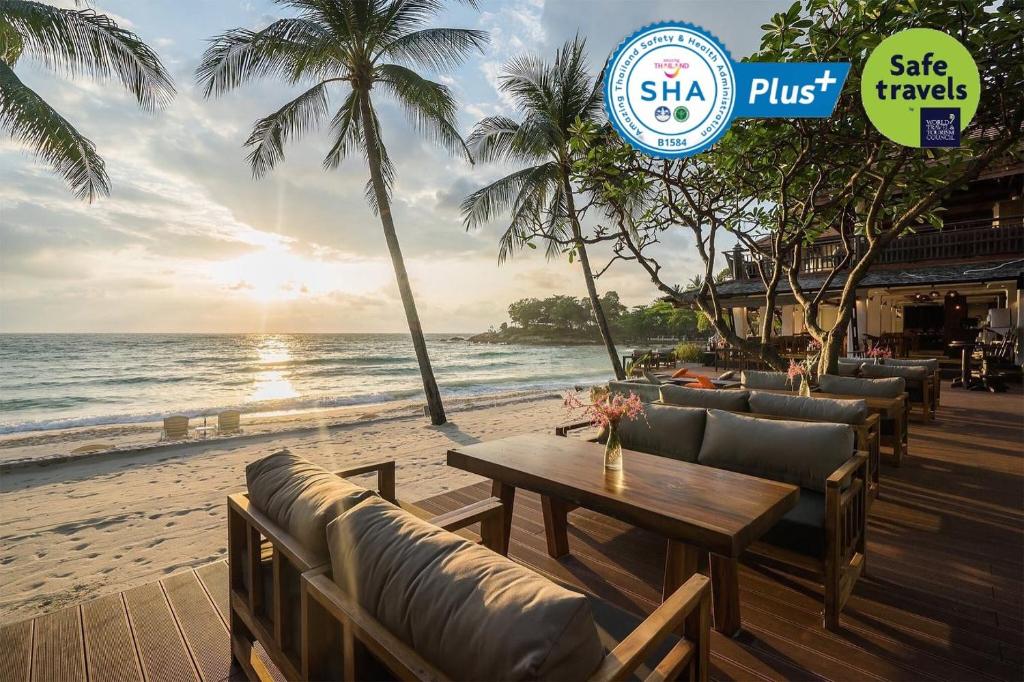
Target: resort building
<point>928,289</point>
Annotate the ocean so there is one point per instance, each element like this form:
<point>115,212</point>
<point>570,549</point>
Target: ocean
<point>50,381</point>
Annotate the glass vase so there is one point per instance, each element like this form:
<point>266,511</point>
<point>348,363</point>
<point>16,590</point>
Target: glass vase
<point>613,449</point>
<point>805,388</point>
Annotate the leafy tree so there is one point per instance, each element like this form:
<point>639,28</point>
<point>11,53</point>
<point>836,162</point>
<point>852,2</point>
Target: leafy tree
<point>72,42</point>
<point>354,46</point>
<point>541,197</point>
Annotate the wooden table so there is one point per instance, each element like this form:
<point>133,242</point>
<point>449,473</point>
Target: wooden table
<point>698,509</point>
<point>895,409</point>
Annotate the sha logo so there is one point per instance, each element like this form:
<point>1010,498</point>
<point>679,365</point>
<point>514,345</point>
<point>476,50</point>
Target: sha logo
<point>670,90</point>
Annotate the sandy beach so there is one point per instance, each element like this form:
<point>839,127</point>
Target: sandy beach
<point>78,528</point>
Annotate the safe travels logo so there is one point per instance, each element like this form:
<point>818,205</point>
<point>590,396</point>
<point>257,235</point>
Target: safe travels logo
<point>921,88</point>
<point>672,90</point>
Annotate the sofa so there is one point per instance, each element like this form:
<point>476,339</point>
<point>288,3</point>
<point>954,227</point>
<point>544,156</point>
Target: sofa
<point>828,525</point>
<point>337,582</point>
<point>920,384</point>
<point>930,364</point>
<point>893,429</point>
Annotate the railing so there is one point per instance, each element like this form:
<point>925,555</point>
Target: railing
<point>968,239</point>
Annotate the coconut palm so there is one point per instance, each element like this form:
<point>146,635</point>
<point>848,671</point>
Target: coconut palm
<point>551,97</point>
<point>72,42</point>
<point>353,46</point>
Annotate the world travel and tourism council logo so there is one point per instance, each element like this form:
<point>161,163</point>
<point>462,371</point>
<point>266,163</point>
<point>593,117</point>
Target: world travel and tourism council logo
<point>921,88</point>
<point>671,90</point>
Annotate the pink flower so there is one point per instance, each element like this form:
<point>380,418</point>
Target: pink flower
<point>795,371</point>
<point>814,346</point>
<point>605,408</point>
<point>879,352</point>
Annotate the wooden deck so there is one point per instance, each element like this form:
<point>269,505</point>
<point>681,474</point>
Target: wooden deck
<point>943,597</point>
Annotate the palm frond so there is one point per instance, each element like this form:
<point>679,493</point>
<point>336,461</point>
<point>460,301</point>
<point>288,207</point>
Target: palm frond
<point>288,48</point>
<point>429,105</point>
<point>499,138</point>
<point>29,119</point>
<point>435,48</point>
<point>346,131</point>
<point>11,44</point>
<point>506,194</point>
<point>290,121</point>
<point>85,43</point>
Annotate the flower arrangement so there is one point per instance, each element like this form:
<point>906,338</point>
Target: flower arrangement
<point>801,372</point>
<point>877,352</point>
<point>606,411</point>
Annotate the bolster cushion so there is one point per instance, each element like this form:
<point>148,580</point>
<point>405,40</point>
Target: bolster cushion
<point>666,430</point>
<point>884,371</point>
<point>733,401</point>
<point>473,613</point>
<point>645,390</point>
<point>769,380</point>
<point>931,364</point>
<point>301,497</point>
<point>813,409</point>
<point>849,368</point>
<point>877,388</point>
<point>801,453</point>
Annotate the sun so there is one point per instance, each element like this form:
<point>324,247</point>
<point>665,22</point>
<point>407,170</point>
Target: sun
<point>276,274</point>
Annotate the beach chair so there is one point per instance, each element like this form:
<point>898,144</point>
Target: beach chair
<point>229,422</point>
<point>175,428</point>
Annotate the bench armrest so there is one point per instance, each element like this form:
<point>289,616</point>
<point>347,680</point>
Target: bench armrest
<point>385,476</point>
<point>694,595</point>
<point>564,429</point>
<point>472,513</point>
<point>847,470</point>
<point>299,556</point>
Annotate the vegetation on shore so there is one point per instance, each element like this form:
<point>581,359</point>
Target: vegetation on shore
<point>566,319</point>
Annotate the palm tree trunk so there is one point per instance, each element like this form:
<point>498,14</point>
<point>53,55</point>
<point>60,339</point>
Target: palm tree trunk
<point>434,405</point>
<point>588,275</point>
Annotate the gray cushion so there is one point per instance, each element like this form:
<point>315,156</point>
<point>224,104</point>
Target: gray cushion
<point>734,401</point>
<point>769,380</point>
<point>849,368</point>
<point>801,453</point>
<point>665,430</point>
<point>881,371</point>
<point>647,391</point>
<point>802,529</point>
<point>814,409</point>
<point>879,388</point>
<point>931,364</point>
<point>301,497</point>
<point>471,612</point>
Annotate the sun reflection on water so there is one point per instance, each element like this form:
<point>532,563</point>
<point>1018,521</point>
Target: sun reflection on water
<point>272,383</point>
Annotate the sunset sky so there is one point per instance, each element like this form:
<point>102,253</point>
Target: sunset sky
<point>189,242</point>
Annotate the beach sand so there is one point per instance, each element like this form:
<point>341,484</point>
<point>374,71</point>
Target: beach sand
<point>79,528</point>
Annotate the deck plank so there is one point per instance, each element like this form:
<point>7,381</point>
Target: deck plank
<point>205,633</point>
<point>215,579</point>
<point>58,653</point>
<point>16,651</point>
<point>109,646</point>
<point>161,649</point>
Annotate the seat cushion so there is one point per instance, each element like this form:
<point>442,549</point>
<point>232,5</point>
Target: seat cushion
<point>814,409</point>
<point>733,401</point>
<point>931,364</point>
<point>301,497</point>
<point>471,612</point>
<point>665,430</point>
<point>873,371</point>
<point>647,391</point>
<point>801,453</point>
<point>769,380</point>
<point>802,529</point>
<point>878,388</point>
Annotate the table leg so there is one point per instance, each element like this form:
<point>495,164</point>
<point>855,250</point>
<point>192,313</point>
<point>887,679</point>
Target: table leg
<point>725,588</point>
<point>900,446</point>
<point>681,562</point>
<point>556,525</point>
<point>507,494</point>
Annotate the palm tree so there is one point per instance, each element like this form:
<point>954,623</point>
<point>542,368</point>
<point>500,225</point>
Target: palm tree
<point>552,98</point>
<point>73,42</point>
<point>351,45</point>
